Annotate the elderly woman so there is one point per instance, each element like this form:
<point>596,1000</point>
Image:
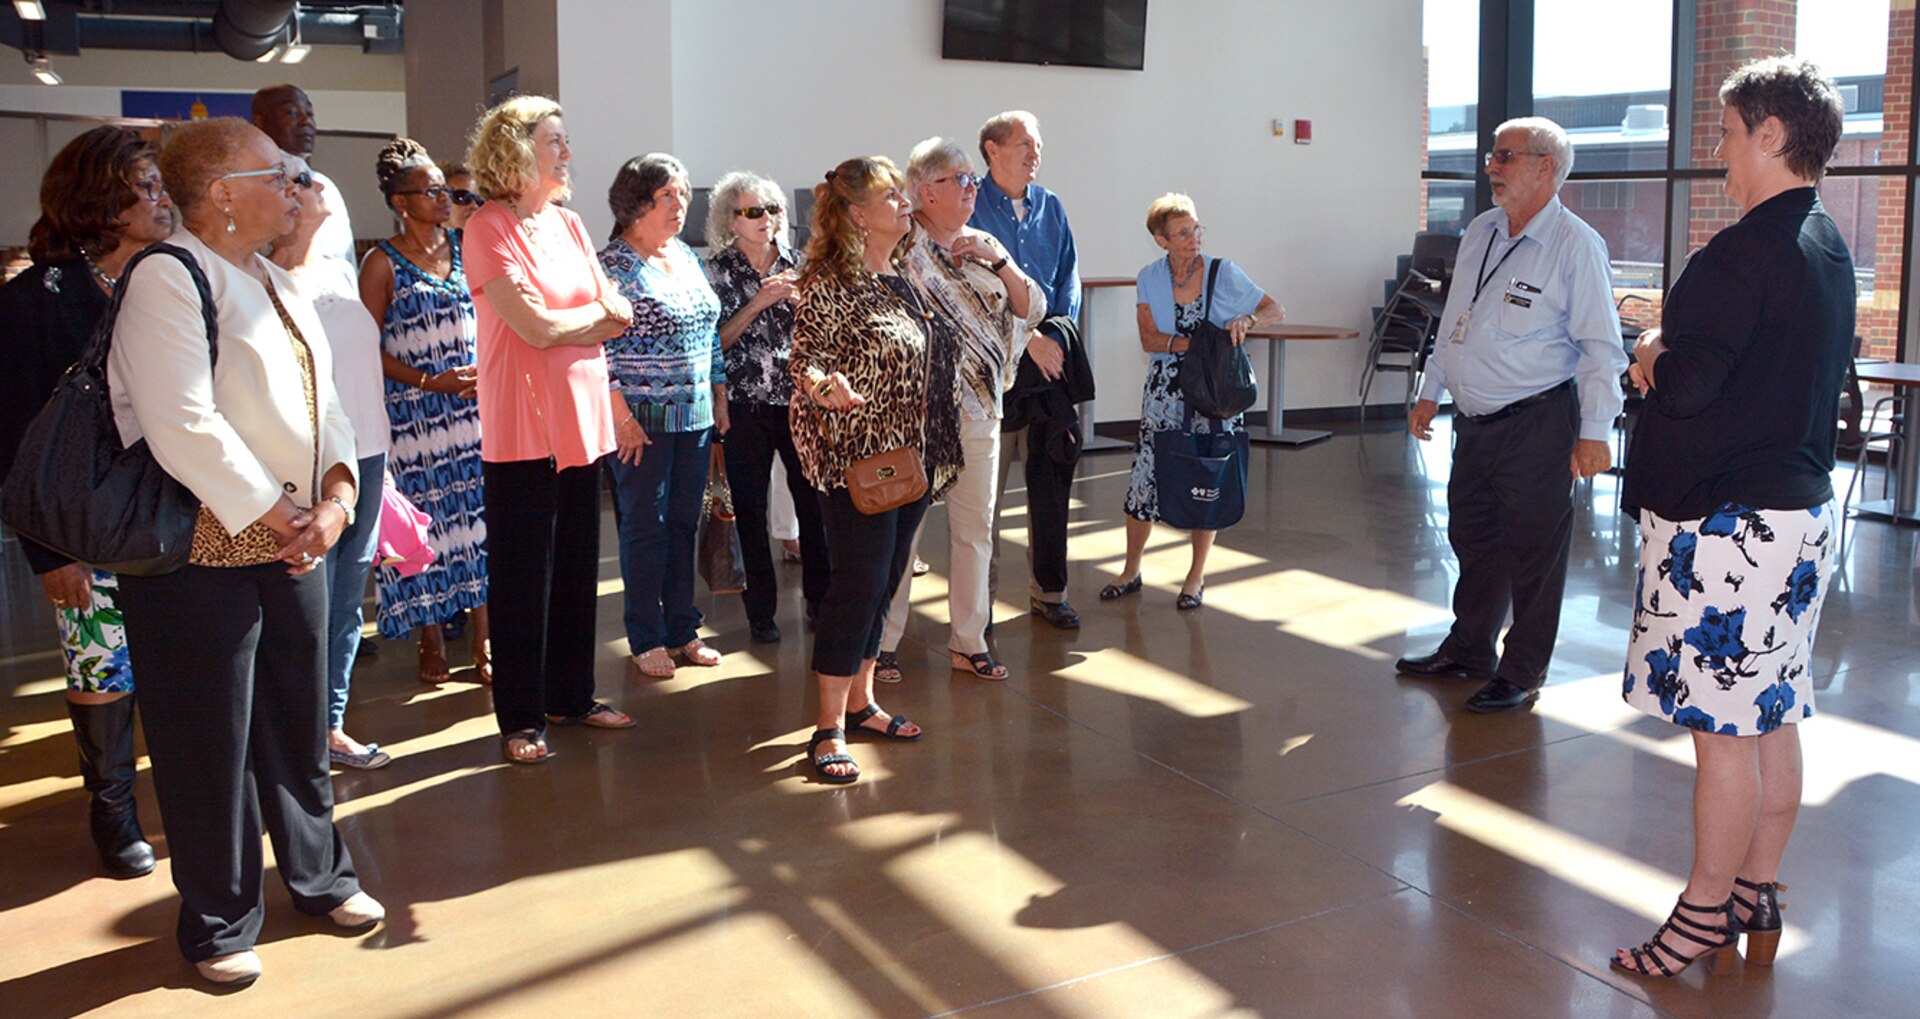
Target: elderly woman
<point>101,200</point>
<point>413,285</point>
<point>543,309</point>
<point>873,372</point>
<point>968,276</point>
<point>1172,292</point>
<point>231,649</point>
<point>669,397</point>
<point>1728,475</point>
<point>753,271</point>
<point>355,343</point>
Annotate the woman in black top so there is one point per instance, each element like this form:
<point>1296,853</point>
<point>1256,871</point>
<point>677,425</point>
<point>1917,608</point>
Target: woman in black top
<point>1728,476</point>
<point>100,203</point>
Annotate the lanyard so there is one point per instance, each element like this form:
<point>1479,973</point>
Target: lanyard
<point>1488,274</point>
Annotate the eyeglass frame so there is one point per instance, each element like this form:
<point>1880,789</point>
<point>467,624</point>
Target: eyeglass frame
<point>967,179</point>
<point>150,188</point>
<point>445,191</point>
<point>286,179</point>
<point>1505,156</point>
<point>1194,233</point>
<point>758,211</point>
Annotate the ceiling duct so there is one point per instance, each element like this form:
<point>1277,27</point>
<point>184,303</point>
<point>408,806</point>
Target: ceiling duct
<point>247,29</point>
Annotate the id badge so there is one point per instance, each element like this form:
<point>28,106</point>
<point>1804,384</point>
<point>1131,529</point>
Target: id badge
<point>1460,328</point>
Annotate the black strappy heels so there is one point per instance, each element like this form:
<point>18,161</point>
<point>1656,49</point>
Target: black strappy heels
<point>1721,941</point>
<point>1762,925</point>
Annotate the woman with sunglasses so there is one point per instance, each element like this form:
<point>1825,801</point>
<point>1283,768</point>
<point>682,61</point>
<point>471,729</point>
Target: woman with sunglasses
<point>753,269</point>
<point>669,400</point>
<point>231,649</point>
<point>465,199</point>
<point>355,341</point>
<point>101,201</point>
<point>415,288</point>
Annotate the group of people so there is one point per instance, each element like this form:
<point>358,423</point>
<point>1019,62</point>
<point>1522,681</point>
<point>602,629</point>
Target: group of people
<point>493,365</point>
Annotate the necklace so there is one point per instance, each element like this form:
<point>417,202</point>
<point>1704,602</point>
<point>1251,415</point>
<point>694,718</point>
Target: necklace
<point>105,280</point>
<point>1180,280</point>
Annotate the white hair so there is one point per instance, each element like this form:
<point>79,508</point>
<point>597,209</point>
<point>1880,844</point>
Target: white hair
<point>1544,135</point>
<point>929,159</point>
<point>726,193</point>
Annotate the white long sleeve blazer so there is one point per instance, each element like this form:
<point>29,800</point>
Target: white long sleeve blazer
<point>240,438</point>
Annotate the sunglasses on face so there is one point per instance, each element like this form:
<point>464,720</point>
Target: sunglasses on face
<point>757,211</point>
<point>461,196</point>
<point>302,180</point>
<point>435,192</point>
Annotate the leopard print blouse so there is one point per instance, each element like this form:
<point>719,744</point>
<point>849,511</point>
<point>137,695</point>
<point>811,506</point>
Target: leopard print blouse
<point>872,328</point>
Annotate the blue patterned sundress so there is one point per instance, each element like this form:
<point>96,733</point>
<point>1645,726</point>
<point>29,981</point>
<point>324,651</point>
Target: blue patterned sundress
<point>436,447</point>
<point>1724,615</point>
<point>1164,409</point>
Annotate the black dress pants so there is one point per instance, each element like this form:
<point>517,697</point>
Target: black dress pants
<point>758,432</point>
<point>869,555</point>
<point>233,693</point>
<point>543,563</point>
<point>1510,521</point>
<point>1049,492</point>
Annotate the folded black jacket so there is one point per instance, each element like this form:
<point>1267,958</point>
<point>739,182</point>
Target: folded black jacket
<point>1038,400</point>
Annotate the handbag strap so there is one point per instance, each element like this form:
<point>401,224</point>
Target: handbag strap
<point>1213,273</point>
<point>97,349</point>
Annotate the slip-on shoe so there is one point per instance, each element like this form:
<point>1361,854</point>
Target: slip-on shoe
<point>1435,664</point>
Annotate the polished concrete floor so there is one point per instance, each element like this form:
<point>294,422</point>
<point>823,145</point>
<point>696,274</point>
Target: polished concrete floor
<point>1236,811</point>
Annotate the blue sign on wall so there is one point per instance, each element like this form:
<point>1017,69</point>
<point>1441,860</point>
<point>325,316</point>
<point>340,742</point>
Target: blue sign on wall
<point>185,105</point>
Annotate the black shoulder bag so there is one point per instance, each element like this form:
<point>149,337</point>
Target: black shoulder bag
<point>1216,377</point>
<point>76,490</point>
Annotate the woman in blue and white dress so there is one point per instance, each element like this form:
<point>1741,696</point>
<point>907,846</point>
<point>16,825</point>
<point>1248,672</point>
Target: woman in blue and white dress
<point>1728,475</point>
<point>414,286</point>
<point>1172,293</point>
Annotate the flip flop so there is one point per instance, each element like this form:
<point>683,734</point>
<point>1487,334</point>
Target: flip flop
<point>531,737</point>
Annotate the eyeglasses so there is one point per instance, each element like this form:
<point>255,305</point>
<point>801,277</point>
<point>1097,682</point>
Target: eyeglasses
<point>277,176</point>
<point>757,211</point>
<point>966,181</point>
<point>435,192</point>
<point>461,196</point>
<point>151,187</point>
<point>1193,233</point>
<point>302,180</point>
<point>1505,156</point>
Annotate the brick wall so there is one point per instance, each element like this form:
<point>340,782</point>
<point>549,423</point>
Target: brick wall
<point>1728,33</point>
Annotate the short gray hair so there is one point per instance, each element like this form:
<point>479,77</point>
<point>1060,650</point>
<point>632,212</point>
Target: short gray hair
<point>726,194</point>
<point>1544,135</point>
<point>929,159</point>
<point>1000,125</point>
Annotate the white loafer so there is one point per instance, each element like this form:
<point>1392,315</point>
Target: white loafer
<point>237,969</point>
<point>358,912</point>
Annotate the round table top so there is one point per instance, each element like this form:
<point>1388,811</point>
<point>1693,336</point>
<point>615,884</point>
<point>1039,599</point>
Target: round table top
<point>1301,331</point>
<point>1888,373</point>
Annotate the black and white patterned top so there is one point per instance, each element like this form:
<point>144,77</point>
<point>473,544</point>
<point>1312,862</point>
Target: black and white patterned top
<point>757,361</point>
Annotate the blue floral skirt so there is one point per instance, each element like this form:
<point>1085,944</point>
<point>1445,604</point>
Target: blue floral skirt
<point>1724,615</point>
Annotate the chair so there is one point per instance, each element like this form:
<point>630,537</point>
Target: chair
<point>1405,327</point>
<point>1857,434</point>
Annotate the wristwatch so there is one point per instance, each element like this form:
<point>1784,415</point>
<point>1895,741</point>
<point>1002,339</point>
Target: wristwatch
<point>345,507</point>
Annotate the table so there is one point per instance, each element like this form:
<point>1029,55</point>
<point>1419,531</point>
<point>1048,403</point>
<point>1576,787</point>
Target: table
<point>1275,429</point>
<point>1904,507</point>
<point>1089,442</point>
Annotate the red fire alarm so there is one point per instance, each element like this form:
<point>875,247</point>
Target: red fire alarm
<point>1303,132</point>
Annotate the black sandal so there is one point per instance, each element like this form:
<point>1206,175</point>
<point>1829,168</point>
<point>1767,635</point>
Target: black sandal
<point>1722,943</point>
<point>532,737</point>
<point>981,665</point>
<point>1115,592</point>
<point>820,763</point>
<point>894,725</point>
<point>886,667</point>
<point>600,716</point>
<point>1762,925</point>
<point>1188,602</point>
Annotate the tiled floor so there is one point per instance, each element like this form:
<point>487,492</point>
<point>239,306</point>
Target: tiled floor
<point>1238,811</point>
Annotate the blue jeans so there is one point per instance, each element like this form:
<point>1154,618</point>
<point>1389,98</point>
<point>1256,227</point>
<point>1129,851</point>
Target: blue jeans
<point>657,505</point>
<point>348,564</point>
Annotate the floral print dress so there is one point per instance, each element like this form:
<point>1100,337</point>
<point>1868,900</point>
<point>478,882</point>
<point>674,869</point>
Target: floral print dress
<point>1164,409</point>
<point>1724,615</point>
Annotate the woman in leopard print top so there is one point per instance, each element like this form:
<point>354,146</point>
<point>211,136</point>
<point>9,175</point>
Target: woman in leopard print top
<point>873,370</point>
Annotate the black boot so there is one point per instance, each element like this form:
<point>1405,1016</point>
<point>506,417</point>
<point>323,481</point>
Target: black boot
<point>105,735</point>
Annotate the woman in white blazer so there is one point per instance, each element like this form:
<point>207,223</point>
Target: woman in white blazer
<point>235,641</point>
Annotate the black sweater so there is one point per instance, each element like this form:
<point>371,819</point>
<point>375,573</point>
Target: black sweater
<point>1759,329</point>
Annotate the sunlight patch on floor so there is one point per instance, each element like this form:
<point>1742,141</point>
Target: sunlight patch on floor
<point>1313,606</point>
<point>1121,672</point>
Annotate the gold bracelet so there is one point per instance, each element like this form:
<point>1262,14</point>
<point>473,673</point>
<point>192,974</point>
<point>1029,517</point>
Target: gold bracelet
<point>822,388</point>
<point>423,377</point>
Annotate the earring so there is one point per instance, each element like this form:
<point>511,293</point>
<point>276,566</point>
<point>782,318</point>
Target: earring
<point>230,226</point>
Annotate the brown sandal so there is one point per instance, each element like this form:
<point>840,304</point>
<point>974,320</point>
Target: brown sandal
<point>655,662</point>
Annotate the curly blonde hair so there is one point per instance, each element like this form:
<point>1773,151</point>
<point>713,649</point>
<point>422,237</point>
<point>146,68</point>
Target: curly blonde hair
<point>837,248</point>
<point>500,149</point>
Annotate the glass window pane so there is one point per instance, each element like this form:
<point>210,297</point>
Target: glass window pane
<point>1601,72</point>
<point>1853,42</point>
<point>1631,215</point>
<point>1451,37</point>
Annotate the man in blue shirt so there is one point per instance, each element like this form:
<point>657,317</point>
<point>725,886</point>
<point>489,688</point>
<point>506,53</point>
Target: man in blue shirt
<point>1530,348</point>
<point>1030,222</point>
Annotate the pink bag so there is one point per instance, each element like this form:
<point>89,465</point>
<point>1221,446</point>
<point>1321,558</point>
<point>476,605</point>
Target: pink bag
<point>403,533</point>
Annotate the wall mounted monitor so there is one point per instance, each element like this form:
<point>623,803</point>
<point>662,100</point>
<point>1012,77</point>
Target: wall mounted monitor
<point>1078,33</point>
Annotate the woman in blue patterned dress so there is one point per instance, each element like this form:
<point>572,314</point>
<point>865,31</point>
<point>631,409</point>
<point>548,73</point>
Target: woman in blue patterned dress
<point>1728,475</point>
<point>669,396</point>
<point>1172,295</point>
<point>414,286</point>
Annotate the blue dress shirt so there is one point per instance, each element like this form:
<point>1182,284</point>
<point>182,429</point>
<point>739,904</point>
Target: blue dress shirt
<point>1041,243</point>
<point>1543,314</point>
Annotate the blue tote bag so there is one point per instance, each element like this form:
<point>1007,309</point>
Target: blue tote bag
<point>1200,478</point>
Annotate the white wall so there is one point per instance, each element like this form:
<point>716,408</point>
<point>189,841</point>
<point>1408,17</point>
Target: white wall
<point>791,89</point>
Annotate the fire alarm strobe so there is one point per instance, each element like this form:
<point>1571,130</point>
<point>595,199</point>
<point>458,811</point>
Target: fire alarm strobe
<point>1303,132</point>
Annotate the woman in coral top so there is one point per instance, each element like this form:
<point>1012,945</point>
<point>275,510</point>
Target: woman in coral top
<point>543,309</point>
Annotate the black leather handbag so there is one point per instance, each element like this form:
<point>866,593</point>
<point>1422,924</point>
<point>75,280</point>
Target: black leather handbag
<point>76,490</point>
<point>1216,377</point>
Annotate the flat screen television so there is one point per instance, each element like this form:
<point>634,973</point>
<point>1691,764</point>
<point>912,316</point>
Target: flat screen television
<point>1078,33</point>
